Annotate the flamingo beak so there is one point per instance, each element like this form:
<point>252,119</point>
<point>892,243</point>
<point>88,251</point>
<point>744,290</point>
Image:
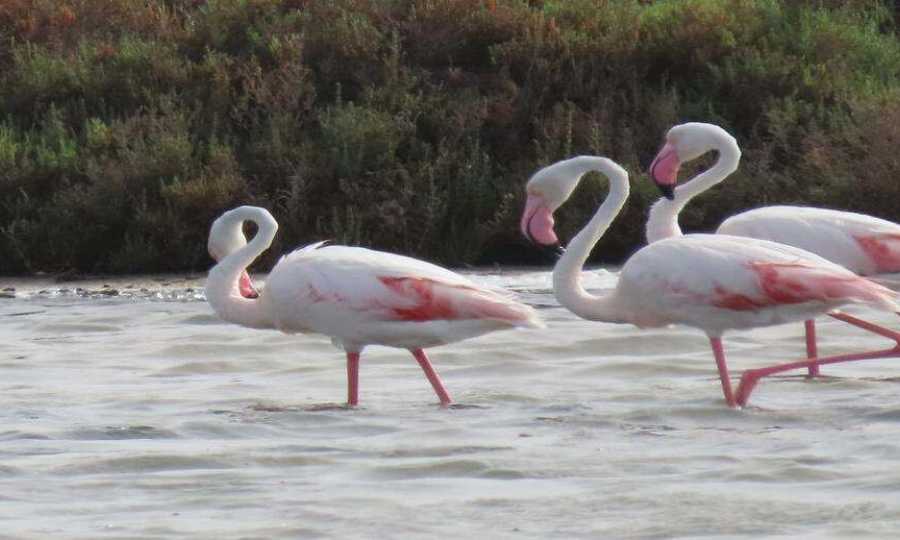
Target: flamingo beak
<point>245,285</point>
<point>537,222</point>
<point>537,225</point>
<point>664,170</point>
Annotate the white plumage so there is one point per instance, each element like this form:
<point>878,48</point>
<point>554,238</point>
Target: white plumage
<point>356,296</point>
<point>711,282</point>
<point>364,297</point>
<point>860,243</point>
<point>720,282</point>
<point>863,244</point>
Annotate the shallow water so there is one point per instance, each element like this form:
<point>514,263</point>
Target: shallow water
<point>131,411</point>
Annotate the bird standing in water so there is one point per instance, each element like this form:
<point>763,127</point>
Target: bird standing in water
<point>862,244</point>
<point>712,282</point>
<point>356,296</point>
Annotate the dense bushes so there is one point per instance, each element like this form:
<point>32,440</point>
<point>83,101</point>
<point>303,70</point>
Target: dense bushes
<point>411,125</point>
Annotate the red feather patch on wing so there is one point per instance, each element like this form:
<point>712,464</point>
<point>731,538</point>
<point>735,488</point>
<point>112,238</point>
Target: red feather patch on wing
<point>738,302</point>
<point>791,283</point>
<point>429,300</point>
<point>883,250</point>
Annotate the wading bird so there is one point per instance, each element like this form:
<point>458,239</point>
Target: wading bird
<point>863,244</point>
<point>711,282</point>
<point>356,296</point>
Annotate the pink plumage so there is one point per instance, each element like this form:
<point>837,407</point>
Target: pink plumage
<point>861,244</point>
<point>356,296</point>
<point>364,297</point>
<point>714,282</point>
<point>864,244</point>
<point>721,282</point>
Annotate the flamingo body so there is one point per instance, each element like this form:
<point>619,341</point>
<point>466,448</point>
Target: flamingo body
<point>720,282</point>
<point>364,297</point>
<point>711,282</point>
<point>863,244</point>
<point>356,296</point>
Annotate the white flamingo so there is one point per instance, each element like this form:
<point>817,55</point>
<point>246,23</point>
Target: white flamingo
<point>714,283</point>
<point>863,244</point>
<point>356,296</point>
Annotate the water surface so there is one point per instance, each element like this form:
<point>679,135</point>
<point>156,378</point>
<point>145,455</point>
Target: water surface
<point>130,411</point>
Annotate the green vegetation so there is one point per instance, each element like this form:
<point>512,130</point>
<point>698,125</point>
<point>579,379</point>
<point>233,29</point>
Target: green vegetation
<point>126,126</point>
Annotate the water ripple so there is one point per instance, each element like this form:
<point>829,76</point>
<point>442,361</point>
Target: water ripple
<point>144,464</point>
<point>139,414</point>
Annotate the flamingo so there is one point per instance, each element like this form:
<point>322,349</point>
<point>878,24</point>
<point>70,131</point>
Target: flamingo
<point>356,296</point>
<point>863,244</point>
<point>713,282</point>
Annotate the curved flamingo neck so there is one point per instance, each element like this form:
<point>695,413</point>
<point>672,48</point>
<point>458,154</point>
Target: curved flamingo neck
<point>663,219</point>
<point>567,272</point>
<point>578,166</point>
<point>222,285</point>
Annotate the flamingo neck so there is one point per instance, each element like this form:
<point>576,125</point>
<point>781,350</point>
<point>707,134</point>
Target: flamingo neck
<point>222,285</point>
<point>567,273</point>
<point>663,219</point>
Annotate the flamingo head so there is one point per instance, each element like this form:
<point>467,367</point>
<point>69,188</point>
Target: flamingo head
<point>546,191</point>
<point>225,237</point>
<point>684,142</point>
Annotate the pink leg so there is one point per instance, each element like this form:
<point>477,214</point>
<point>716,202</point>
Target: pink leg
<point>352,379</point>
<point>432,376</point>
<point>811,349</point>
<point>866,325</point>
<point>752,376</point>
<point>719,353</point>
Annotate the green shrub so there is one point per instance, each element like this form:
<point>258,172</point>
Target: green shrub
<point>412,125</point>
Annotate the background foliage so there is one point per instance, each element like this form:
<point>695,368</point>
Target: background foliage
<point>126,126</point>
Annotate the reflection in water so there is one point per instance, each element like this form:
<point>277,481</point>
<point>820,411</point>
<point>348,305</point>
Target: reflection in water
<point>130,411</point>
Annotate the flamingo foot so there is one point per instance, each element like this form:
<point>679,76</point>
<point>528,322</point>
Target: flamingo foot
<point>432,377</point>
<point>352,379</point>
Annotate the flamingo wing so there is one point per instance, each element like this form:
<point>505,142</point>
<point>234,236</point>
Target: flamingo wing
<point>882,249</point>
<point>726,281</point>
<point>863,244</point>
<point>330,284</point>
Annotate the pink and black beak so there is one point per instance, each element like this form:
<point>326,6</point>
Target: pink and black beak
<point>537,225</point>
<point>664,170</point>
<point>245,285</point>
